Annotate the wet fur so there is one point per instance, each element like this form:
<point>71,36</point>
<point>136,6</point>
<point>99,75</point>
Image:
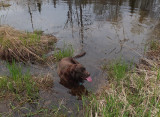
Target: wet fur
<point>71,71</point>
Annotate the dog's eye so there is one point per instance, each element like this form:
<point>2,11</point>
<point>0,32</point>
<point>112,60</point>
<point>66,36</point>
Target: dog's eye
<point>83,69</point>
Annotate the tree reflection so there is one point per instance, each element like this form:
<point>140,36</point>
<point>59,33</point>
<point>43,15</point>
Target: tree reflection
<point>83,13</point>
<point>146,8</point>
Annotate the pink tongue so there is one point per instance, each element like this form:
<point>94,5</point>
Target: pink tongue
<point>89,79</point>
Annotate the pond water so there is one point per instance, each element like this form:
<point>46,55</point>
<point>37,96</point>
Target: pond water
<point>104,29</point>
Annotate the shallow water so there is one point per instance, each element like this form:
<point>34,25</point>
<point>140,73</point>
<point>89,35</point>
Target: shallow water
<point>104,29</point>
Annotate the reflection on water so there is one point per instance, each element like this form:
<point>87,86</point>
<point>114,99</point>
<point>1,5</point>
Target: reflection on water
<point>78,20</point>
<point>105,29</point>
<point>75,90</point>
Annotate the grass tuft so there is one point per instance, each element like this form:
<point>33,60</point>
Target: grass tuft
<point>15,71</point>
<point>18,83</point>
<point>154,45</point>
<point>3,82</point>
<point>116,69</point>
<point>38,32</point>
<point>67,51</point>
<point>119,70</point>
<point>24,47</point>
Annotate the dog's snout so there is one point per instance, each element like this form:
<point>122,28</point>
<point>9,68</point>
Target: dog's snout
<point>88,73</point>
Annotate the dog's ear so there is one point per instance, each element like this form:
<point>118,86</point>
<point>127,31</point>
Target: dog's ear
<point>73,70</point>
<point>73,73</point>
<point>78,73</point>
<point>78,67</point>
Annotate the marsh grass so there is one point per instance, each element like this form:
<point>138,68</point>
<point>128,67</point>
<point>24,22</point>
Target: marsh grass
<point>18,83</point>
<point>106,106</point>
<point>119,70</point>
<point>116,69</point>
<point>32,39</point>
<point>44,82</point>
<point>24,46</point>
<point>38,32</point>
<point>67,51</point>
<point>15,71</point>
<point>154,45</point>
<point>40,111</point>
<point>154,50</point>
<point>134,92</point>
<point>3,82</point>
<point>21,88</point>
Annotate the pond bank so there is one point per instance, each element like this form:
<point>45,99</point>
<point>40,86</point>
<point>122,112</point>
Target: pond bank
<point>131,90</point>
<point>24,46</point>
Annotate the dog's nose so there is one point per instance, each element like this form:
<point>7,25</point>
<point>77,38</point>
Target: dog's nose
<point>88,73</point>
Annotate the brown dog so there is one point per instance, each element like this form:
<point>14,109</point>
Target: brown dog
<point>71,71</point>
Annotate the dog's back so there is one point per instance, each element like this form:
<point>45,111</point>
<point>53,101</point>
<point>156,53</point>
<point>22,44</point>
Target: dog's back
<point>67,61</point>
<point>63,64</point>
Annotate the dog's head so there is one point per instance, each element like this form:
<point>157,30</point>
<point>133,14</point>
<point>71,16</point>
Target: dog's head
<point>79,73</point>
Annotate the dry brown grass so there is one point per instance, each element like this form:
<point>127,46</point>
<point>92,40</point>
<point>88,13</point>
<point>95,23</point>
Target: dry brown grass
<point>44,82</point>
<point>22,46</point>
<point>3,4</point>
